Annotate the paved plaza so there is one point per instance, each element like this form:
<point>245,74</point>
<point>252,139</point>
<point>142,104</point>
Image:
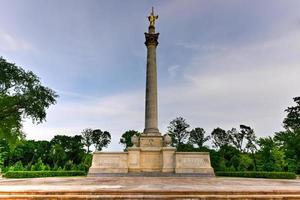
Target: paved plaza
<point>149,188</point>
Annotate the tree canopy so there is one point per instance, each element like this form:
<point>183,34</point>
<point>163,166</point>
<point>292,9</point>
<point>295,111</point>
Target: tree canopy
<point>197,136</point>
<point>126,138</point>
<point>21,96</point>
<point>292,120</point>
<point>178,131</point>
<point>101,139</point>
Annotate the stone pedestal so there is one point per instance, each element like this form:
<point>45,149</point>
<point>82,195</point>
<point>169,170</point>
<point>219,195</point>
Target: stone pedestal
<point>134,159</point>
<point>151,157</point>
<point>168,154</point>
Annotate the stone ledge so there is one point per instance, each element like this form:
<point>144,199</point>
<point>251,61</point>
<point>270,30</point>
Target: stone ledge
<point>110,152</point>
<point>196,153</point>
<point>150,174</point>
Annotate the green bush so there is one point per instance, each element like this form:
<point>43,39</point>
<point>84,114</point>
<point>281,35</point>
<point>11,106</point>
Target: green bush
<point>36,174</point>
<point>81,167</point>
<point>68,166</point>
<point>38,166</point>
<point>259,174</point>
<point>60,169</point>
<point>18,166</point>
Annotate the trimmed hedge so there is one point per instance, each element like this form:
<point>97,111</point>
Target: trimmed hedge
<point>259,174</point>
<point>36,174</point>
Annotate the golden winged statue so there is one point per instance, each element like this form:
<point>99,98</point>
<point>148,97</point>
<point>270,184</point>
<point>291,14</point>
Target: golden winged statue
<point>152,18</point>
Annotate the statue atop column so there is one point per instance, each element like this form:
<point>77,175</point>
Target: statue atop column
<point>152,17</point>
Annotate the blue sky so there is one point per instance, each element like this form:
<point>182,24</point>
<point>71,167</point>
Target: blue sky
<point>220,63</point>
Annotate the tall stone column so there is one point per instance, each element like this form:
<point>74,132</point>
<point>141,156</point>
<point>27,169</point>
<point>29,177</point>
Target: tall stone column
<point>151,83</point>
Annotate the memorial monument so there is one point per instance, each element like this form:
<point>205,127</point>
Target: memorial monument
<point>151,152</point>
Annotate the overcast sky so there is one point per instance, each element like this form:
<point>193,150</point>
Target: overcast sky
<point>220,63</point>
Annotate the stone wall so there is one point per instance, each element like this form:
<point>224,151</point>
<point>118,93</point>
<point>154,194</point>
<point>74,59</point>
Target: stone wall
<point>109,162</point>
<point>146,159</point>
<point>193,162</point>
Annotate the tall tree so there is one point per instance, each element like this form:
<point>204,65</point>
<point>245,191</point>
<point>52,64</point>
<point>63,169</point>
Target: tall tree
<point>244,139</point>
<point>58,155</point>
<point>87,138</point>
<point>272,158</point>
<point>292,120</point>
<point>251,142</point>
<point>126,138</point>
<point>72,146</point>
<point>100,139</point>
<point>236,138</point>
<point>197,136</point>
<point>178,131</point>
<point>4,152</point>
<point>21,95</point>
<point>289,141</point>
<point>220,138</point>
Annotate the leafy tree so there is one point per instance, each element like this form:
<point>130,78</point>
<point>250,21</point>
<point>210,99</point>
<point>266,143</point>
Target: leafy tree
<point>87,138</point>
<point>13,136</point>
<point>18,166</point>
<point>178,131</point>
<point>72,146</point>
<point>236,138</point>
<point>100,139</point>
<point>86,163</point>
<point>38,166</point>
<point>4,152</point>
<point>220,138</point>
<point>292,120</point>
<point>187,148</point>
<point>126,138</point>
<point>250,137</point>
<point>58,155</point>
<point>289,141</point>
<point>28,151</point>
<point>271,157</point>
<point>246,163</point>
<point>231,157</point>
<point>69,164</point>
<point>197,136</point>
<point>251,142</point>
<point>21,95</point>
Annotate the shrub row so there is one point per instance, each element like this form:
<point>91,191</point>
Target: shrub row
<point>259,174</point>
<point>36,174</point>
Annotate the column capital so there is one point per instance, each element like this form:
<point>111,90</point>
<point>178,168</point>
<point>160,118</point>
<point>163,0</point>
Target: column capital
<point>151,39</point>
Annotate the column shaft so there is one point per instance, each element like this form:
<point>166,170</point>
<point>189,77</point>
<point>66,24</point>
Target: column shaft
<point>151,91</point>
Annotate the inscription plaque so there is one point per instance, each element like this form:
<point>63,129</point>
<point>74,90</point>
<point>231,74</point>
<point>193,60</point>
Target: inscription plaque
<point>151,142</point>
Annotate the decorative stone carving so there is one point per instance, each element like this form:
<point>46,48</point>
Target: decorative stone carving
<point>167,140</point>
<point>151,141</point>
<point>135,140</point>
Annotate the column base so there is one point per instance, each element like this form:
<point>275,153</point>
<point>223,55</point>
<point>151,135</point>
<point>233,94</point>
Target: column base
<point>151,132</point>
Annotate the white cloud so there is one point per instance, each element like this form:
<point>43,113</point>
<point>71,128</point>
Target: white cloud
<point>115,114</point>
<point>8,42</point>
<point>220,86</point>
<point>249,85</point>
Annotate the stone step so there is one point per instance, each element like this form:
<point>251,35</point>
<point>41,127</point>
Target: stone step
<point>150,174</point>
<point>149,195</point>
<point>148,188</point>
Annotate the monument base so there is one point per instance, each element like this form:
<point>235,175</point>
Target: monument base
<point>151,158</point>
